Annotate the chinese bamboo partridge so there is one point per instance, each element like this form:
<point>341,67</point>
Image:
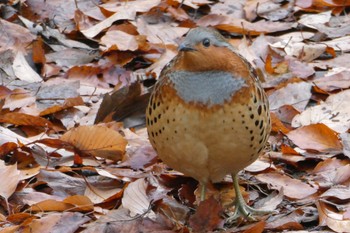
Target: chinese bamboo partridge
<point>208,115</point>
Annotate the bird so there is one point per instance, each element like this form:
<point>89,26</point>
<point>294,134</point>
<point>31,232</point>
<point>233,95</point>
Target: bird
<point>208,115</point>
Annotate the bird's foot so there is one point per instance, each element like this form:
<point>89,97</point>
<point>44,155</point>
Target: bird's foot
<point>242,210</point>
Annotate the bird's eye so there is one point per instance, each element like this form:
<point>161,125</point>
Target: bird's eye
<point>206,42</point>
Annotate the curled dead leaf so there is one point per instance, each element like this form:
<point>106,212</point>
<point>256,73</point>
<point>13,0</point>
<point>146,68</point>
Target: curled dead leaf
<point>334,220</point>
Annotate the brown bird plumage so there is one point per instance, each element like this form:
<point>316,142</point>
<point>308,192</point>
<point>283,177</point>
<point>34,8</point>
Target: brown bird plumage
<point>208,115</point>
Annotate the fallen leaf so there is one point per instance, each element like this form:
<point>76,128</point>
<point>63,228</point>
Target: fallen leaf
<point>334,112</point>
<point>332,219</point>
<point>295,94</point>
<point>23,70</point>
<point>17,118</point>
<point>118,40</point>
<point>57,222</point>
<point>292,188</point>
<point>340,192</point>
<point>207,216</point>
<point>334,81</point>
<point>10,178</point>
<point>316,137</point>
<point>97,140</point>
<point>136,200</point>
<point>97,28</point>
<point>72,203</point>
<point>256,228</point>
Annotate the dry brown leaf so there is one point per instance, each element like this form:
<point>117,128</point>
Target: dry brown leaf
<point>25,119</point>
<point>292,188</point>
<point>72,203</point>
<point>316,137</point>
<point>98,141</point>
<point>68,103</point>
<point>256,228</point>
<point>207,216</point>
<point>329,217</point>
<point>277,125</point>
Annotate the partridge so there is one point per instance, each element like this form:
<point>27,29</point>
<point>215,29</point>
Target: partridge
<point>208,115</point>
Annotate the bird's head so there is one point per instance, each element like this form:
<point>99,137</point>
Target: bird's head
<point>205,49</point>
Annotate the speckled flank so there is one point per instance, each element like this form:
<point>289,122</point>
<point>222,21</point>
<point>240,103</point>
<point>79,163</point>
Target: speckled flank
<point>209,88</point>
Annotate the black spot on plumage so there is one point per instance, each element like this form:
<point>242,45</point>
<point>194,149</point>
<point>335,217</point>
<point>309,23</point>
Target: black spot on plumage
<point>259,109</point>
<point>261,124</point>
<point>256,122</point>
<point>262,132</point>
<point>251,116</point>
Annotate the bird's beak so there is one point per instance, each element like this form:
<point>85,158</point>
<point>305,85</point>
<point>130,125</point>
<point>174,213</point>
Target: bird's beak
<point>185,47</point>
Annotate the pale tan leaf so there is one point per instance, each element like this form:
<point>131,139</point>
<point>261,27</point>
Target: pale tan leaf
<point>10,177</point>
<point>135,199</point>
<point>96,29</point>
<point>23,70</point>
<point>295,94</point>
<point>292,188</point>
<point>334,112</point>
<point>122,40</point>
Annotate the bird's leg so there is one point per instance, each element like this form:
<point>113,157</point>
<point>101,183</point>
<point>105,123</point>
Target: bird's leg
<point>241,208</point>
<point>203,191</point>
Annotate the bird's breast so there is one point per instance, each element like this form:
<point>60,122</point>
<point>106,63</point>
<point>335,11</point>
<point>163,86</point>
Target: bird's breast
<point>206,88</point>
